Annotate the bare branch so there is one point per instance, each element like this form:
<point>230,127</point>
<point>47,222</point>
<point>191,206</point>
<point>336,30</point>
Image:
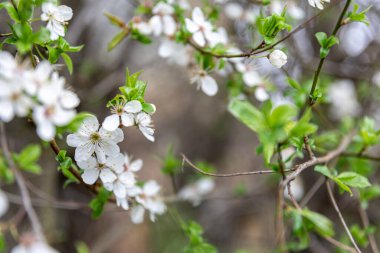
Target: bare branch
<point>333,201</point>
<point>185,159</point>
<point>25,196</point>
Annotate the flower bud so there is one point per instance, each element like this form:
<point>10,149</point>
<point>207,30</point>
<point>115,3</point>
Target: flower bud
<point>278,58</point>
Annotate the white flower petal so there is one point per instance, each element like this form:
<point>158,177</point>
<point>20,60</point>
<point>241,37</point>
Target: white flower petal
<point>209,85</point>
<point>133,106</point>
<point>127,119</point>
<point>90,176</point>
<point>199,38</point>
<point>137,214</point>
<point>111,123</point>
<point>107,176</point>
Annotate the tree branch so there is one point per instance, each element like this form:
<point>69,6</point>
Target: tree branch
<point>25,196</point>
<point>333,201</point>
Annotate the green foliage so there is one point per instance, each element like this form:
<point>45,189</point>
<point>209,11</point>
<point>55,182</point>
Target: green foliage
<point>270,26</point>
<point>65,163</point>
<point>117,39</point>
<point>97,204</point>
<point>344,180</point>
<point>171,164</point>
<point>273,125</point>
<point>197,243</point>
<point>27,159</point>
<point>5,172</point>
<point>2,242</point>
<point>81,247</point>
<point>357,16</point>
<point>12,12</point>
<point>317,222</point>
<point>368,194</point>
<point>60,48</point>
<point>326,43</point>
<point>369,136</point>
<point>299,231</point>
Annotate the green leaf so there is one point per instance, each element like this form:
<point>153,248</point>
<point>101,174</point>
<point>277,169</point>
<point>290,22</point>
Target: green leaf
<point>68,62</point>
<point>12,12</point>
<point>354,179</point>
<point>247,114</point>
<point>118,39</point>
<point>29,155</point>
<point>25,9</point>
<point>171,164</point>
<point>321,37</point>
<point>149,108</point>
<point>81,247</point>
<point>321,224</point>
<point>97,204</point>
<point>324,171</point>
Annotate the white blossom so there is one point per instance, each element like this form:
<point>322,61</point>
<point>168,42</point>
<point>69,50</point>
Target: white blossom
<point>278,58</point>
<point>200,28</point>
<point>250,76</point>
<point>90,139</point>
<point>148,199</point>
<point>13,101</point>
<point>261,94</point>
<point>175,53</point>
<point>145,124</point>
<point>162,20</point>
<point>342,95</point>
<point>318,3</point>
<point>4,203</point>
<point>143,27</point>
<point>126,178</point>
<point>107,171</point>
<point>195,191</point>
<point>57,17</point>
<point>205,82</point>
<point>29,244</point>
<point>233,10</point>
<point>123,114</point>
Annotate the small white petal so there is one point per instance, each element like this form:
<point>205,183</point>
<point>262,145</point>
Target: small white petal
<point>111,123</point>
<point>137,214</point>
<point>209,85</point>
<point>133,106</point>
<point>90,176</point>
<point>199,38</point>
<point>127,119</point>
<point>107,176</point>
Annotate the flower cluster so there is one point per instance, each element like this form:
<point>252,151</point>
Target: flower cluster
<point>195,191</point>
<point>57,17</point>
<point>130,114</point>
<point>200,32</point>
<point>38,92</point>
<point>98,155</point>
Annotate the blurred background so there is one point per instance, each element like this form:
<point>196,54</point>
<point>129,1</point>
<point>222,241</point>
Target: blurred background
<point>239,214</point>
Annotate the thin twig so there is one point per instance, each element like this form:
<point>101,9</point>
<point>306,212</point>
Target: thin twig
<point>259,49</point>
<point>185,159</point>
<point>333,201</point>
<point>339,244</point>
<point>361,156</point>
<point>312,191</point>
<point>366,224</point>
<point>25,196</point>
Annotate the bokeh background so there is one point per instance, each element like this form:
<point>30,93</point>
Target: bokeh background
<point>195,125</point>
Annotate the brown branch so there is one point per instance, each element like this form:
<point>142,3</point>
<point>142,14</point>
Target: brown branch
<point>333,201</point>
<point>25,196</point>
<point>260,172</point>
<point>298,169</point>
<point>259,49</point>
<point>54,146</point>
<point>339,244</point>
